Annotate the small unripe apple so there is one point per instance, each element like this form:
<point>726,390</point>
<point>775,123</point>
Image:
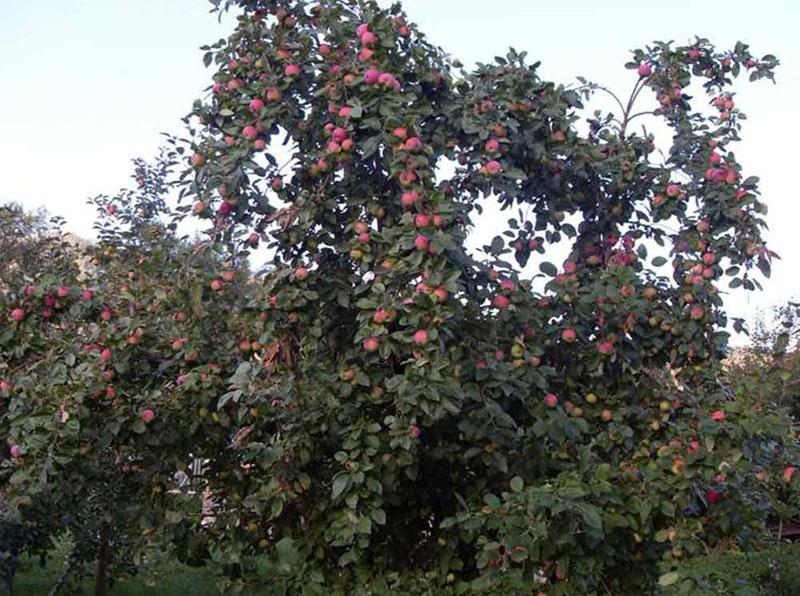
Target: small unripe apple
<point>273,94</point>
<point>590,398</point>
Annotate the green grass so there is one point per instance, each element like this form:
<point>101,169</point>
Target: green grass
<point>32,580</point>
<point>774,572</point>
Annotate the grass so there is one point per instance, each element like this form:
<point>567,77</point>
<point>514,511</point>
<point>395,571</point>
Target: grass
<point>173,580</point>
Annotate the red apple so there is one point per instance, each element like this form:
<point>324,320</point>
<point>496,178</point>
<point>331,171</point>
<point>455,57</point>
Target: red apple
<point>371,76</point>
<point>420,337</point>
<point>412,144</point>
<point>422,220</point>
<point>493,168</point>
<point>500,301</point>
<point>18,314</point>
<point>371,344</point>
<point>606,348</point>
<point>147,415</point>
<point>409,198</point>
<point>256,105</point>
<point>250,133</point>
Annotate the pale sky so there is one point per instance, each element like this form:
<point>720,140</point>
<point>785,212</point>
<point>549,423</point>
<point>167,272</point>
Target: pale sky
<point>89,84</point>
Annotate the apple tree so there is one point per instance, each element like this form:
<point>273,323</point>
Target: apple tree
<point>110,358</point>
<point>426,416</point>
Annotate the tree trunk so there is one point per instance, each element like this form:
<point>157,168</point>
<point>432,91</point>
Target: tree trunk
<point>103,561</point>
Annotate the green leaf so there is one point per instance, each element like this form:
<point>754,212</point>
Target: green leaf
<point>497,245</point>
<point>341,484</point>
<point>548,269</point>
<point>668,579</point>
<point>370,146</point>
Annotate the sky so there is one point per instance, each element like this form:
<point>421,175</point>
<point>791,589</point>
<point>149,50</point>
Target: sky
<point>90,84</point>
